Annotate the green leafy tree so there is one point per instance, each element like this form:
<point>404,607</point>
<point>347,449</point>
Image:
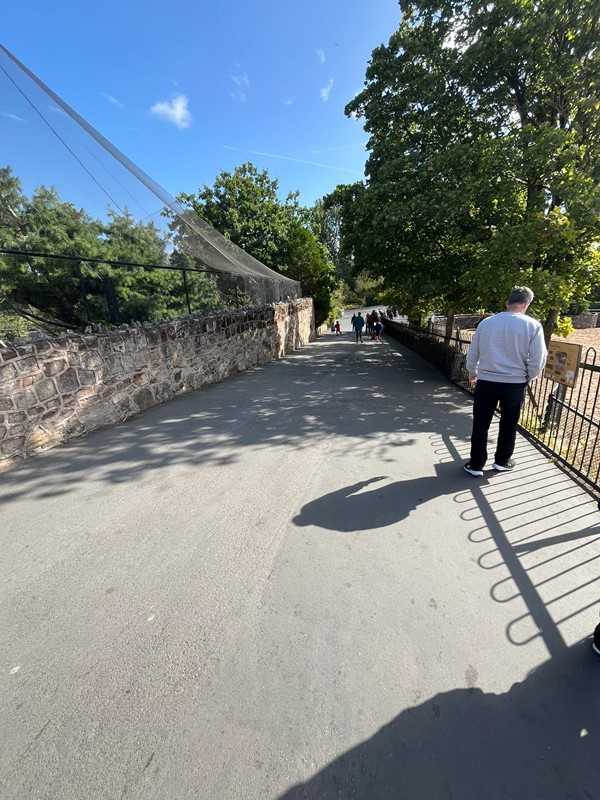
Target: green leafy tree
<point>326,222</point>
<point>202,289</point>
<point>245,207</point>
<point>48,290</point>
<point>12,204</point>
<point>367,290</point>
<point>306,261</point>
<point>44,289</point>
<point>144,293</point>
<point>483,166</point>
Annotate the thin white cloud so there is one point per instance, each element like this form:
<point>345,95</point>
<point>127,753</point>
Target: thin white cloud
<point>287,102</point>
<point>326,91</point>
<point>57,110</point>
<point>14,117</point>
<point>175,111</point>
<point>335,149</point>
<point>240,84</point>
<point>112,100</point>
<point>320,55</point>
<point>290,158</point>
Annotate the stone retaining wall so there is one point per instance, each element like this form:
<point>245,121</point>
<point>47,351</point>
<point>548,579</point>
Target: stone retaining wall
<point>53,390</point>
<point>460,320</point>
<point>579,321</point>
<point>582,321</point>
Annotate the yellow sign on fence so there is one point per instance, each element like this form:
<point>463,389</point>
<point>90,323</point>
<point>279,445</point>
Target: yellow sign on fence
<point>563,363</point>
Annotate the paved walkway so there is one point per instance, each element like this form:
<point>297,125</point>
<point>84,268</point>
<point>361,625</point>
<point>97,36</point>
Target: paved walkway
<point>285,586</point>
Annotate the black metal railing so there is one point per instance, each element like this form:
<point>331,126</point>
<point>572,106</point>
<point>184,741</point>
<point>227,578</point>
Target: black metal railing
<point>563,421</point>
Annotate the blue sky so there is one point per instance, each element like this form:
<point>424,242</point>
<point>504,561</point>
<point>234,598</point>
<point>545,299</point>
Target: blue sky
<point>187,90</point>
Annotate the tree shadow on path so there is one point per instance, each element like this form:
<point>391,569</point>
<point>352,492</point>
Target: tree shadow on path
<point>315,393</point>
<point>539,740</point>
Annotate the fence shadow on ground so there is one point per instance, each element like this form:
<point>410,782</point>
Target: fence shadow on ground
<point>539,739</point>
<point>540,556</point>
<point>536,536</point>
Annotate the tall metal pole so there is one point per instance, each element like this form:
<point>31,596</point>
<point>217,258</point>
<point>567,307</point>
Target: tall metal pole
<point>187,294</point>
<point>86,307</point>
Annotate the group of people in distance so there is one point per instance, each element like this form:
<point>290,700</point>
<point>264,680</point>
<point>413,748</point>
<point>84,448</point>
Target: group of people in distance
<point>372,324</point>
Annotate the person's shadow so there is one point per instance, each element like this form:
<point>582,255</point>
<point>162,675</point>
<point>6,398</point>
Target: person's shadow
<point>539,740</point>
<point>352,509</point>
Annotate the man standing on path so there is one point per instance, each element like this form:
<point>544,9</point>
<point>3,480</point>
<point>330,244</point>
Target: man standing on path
<point>358,324</point>
<point>507,352</point>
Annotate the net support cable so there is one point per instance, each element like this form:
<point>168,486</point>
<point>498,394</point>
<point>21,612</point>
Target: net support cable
<point>194,236</point>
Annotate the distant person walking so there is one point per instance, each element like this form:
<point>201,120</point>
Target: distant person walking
<point>338,328</point>
<point>374,321</point>
<point>358,323</point>
<point>506,353</point>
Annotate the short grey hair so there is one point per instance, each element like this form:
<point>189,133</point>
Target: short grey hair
<point>520,295</point>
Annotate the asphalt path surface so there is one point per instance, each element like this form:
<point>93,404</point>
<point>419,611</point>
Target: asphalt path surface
<point>285,586</point>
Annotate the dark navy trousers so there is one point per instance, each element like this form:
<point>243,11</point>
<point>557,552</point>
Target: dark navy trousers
<point>488,394</point>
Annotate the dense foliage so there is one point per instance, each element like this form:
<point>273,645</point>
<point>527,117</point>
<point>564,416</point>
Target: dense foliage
<point>245,207</point>
<point>483,170</point>
<point>49,290</point>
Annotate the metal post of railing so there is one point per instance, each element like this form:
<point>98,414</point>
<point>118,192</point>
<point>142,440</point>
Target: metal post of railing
<point>187,293</point>
<point>86,307</point>
<point>112,302</point>
<point>554,407</point>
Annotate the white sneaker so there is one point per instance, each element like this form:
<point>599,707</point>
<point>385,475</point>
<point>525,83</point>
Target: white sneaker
<point>478,473</point>
<point>505,466</point>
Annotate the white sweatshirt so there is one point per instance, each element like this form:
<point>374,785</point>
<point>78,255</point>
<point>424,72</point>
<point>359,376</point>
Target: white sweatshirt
<point>507,348</point>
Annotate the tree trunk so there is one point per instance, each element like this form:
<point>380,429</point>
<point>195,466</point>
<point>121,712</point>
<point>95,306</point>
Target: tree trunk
<point>549,324</point>
<point>449,325</point>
